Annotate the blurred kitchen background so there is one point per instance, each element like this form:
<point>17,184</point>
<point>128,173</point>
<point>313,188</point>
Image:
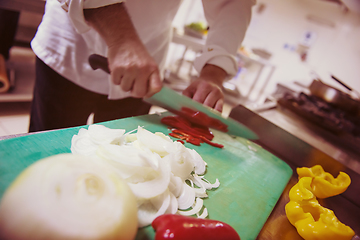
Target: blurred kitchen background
<point>289,43</point>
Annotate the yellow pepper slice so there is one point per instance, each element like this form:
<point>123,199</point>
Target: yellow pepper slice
<point>313,221</point>
<point>323,184</point>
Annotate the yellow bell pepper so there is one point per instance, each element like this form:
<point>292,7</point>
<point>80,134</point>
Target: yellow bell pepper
<point>313,221</point>
<point>323,184</point>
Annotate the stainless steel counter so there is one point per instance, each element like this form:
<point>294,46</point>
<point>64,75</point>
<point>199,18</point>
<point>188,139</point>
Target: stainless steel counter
<point>344,151</point>
<point>279,134</point>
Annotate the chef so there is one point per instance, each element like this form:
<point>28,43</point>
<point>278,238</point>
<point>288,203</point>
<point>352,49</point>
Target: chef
<point>134,35</point>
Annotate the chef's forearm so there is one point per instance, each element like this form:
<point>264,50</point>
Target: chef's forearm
<point>130,64</point>
<point>113,23</point>
<point>228,21</point>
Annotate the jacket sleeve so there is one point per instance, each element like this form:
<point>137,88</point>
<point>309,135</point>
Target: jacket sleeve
<point>75,10</point>
<point>228,21</point>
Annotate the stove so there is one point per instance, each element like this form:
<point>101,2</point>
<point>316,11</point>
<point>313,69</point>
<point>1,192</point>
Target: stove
<point>323,114</point>
<point>316,122</point>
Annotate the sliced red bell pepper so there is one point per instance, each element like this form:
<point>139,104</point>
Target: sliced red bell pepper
<point>183,136</point>
<point>176,227</point>
<point>202,119</point>
<point>185,130</point>
<point>183,124</point>
<point>172,134</point>
<point>193,135</point>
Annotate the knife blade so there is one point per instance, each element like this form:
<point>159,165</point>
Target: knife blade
<point>175,102</point>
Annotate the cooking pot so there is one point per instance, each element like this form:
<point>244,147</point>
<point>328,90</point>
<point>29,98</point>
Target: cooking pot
<point>335,97</point>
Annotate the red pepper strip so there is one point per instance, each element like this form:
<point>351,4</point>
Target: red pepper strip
<point>174,122</point>
<point>181,132</point>
<point>186,133</point>
<point>211,143</point>
<point>181,123</point>
<point>178,227</point>
<point>203,119</point>
<point>195,141</point>
<point>177,136</point>
<point>188,138</point>
<point>181,141</point>
<point>203,131</point>
<point>198,134</point>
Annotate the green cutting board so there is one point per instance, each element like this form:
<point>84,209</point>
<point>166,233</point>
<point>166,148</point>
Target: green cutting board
<point>251,178</point>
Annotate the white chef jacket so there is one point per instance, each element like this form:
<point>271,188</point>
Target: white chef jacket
<point>64,40</point>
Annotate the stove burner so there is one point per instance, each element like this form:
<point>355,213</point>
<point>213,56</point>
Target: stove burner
<point>322,113</point>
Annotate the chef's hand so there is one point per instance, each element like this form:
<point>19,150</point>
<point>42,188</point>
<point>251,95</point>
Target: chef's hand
<point>133,68</point>
<point>207,88</point>
<point>130,64</point>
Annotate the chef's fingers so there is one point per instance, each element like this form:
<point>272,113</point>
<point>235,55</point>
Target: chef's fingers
<point>140,87</point>
<point>202,92</point>
<point>219,105</point>
<point>116,76</point>
<point>212,99</point>
<point>206,93</point>
<point>198,90</point>
<point>154,84</point>
<point>128,79</point>
<point>189,91</point>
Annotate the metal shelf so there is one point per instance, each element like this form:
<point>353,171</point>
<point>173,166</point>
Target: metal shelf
<point>22,73</point>
<point>22,60</point>
<point>21,92</point>
<point>23,5</point>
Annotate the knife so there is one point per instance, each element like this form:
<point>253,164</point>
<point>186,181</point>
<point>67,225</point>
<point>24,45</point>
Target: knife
<point>175,102</point>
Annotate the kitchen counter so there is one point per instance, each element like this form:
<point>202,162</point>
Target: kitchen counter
<point>297,153</point>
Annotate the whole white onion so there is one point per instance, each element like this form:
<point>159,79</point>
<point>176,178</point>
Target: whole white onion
<point>68,196</point>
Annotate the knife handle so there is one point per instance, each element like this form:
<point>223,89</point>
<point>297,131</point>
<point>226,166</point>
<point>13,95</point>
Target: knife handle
<point>343,84</point>
<point>97,61</point>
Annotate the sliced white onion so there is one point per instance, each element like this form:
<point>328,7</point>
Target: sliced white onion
<point>124,154</point>
<point>154,187</point>
<point>152,141</point>
<point>180,161</point>
<point>101,134</point>
<point>82,144</point>
<point>200,192</point>
<point>151,158</point>
<point>152,164</point>
<point>187,197</point>
<point>204,214</point>
<point>199,163</point>
<point>161,202</point>
<point>174,205</point>
<point>176,185</point>
<point>153,208</point>
<point>133,174</point>
<point>201,182</point>
<point>196,208</point>
<point>131,137</point>
<point>86,141</point>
